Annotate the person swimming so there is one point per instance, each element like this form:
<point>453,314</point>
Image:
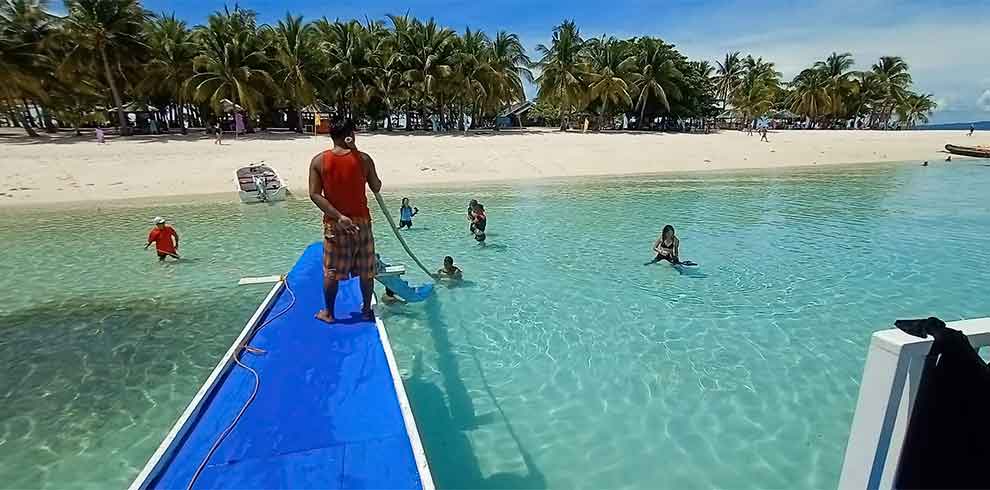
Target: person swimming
<point>406,213</point>
<point>449,270</point>
<point>479,221</point>
<point>667,247</point>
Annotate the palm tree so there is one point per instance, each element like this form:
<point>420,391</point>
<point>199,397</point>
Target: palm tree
<point>25,28</point>
<point>388,70</point>
<point>915,108</point>
<point>232,63</point>
<point>473,51</point>
<point>892,79</point>
<point>611,62</point>
<point>837,71</point>
<point>562,66</point>
<point>509,66</point>
<point>296,61</point>
<point>111,30</point>
<point>428,52</point>
<point>728,76</point>
<point>346,48</point>
<point>812,95</point>
<point>655,75</point>
<point>758,88</point>
<point>172,50</point>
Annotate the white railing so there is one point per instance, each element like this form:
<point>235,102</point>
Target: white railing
<point>886,395</point>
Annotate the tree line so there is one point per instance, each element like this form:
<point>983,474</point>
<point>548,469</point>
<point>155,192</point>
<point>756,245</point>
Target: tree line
<point>646,79</point>
<point>827,94</point>
<point>104,55</point>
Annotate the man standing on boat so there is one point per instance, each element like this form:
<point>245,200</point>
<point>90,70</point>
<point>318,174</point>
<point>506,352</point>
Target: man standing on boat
<point>337,180</point>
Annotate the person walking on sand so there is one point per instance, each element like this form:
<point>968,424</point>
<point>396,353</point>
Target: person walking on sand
<point>337,180</point>
<point>165,238</point>
<point>972,127</point>
<point>217,134</point>
<point>763,135</point>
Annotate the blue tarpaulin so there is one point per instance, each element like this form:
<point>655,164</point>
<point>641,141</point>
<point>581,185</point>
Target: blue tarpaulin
<point>326,414</point>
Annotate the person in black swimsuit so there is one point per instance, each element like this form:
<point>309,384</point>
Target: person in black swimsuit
<point>666,246</point>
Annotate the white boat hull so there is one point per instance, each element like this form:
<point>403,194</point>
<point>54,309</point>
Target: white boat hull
<point>249,197</point>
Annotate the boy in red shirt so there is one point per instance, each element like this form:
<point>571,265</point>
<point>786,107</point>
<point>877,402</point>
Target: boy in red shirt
<point>165,238</point>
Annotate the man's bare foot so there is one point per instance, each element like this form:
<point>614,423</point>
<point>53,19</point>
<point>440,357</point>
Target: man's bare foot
<point>325,316</point>
<point>368,315</point>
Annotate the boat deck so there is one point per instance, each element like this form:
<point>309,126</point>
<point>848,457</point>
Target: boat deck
<point>330,411</point>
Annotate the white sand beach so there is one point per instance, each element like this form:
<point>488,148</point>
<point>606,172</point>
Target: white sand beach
<point>70,169</point>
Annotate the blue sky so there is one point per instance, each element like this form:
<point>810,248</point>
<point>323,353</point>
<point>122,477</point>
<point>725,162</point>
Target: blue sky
<point>946,42</point>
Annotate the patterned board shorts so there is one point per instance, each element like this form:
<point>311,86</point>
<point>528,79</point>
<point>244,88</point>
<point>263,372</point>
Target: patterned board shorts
<point>349,255</point>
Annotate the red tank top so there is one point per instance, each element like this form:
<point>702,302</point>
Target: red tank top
<point>344,181</point>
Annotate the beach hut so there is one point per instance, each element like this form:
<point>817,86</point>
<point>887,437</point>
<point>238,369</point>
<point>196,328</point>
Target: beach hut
<point>140,114</point>
<point>783,118</point>
<point>308,116</point>
<point>729,119</point>
<point>515,116</point>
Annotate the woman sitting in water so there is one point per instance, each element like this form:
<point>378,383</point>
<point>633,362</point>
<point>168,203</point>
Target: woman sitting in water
<point>406,213</point>
<point>667,248</point>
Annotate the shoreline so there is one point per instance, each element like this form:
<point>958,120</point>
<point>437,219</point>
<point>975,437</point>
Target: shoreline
<point>441,187</point>
<point>175,169</point>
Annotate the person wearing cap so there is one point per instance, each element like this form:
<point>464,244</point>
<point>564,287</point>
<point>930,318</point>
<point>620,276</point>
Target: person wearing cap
<point>165,238</point>
<point>337,180</point>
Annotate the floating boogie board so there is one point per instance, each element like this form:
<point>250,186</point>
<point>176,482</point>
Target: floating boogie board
<point>390,277</point>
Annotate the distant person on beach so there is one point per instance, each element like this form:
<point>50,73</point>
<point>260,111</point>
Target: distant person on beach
<point>925,164</point>
<point>217,134</point>
<point>406,213</point>
<point>337,180</point>
<point>100,136</point>
<point>972,127</point>
<point>479,222</point>
<point>948,158</point>
<point>165,238</point>
<point>449,270</point>
<point>763,135</point>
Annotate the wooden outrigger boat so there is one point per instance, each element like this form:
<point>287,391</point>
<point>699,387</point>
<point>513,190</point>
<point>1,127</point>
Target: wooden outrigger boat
<point>969,151</point>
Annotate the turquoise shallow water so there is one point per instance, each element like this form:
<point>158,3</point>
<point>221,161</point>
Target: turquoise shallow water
<point>562,362</point>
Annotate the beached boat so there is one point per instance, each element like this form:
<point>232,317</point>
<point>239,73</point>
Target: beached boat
<point>298,404</point>
<point>260,183</point>
<point>969,151</point>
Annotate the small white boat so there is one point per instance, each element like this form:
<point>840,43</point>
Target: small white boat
<point>260,183</point>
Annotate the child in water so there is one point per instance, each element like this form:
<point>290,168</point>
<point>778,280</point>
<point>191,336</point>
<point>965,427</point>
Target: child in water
<point>449,270</point>
<point>406,213</point>
<point>479,221</point>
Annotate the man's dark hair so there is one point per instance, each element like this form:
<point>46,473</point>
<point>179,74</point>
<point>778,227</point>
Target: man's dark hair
<point>448,259</point>
<point>341,128</point>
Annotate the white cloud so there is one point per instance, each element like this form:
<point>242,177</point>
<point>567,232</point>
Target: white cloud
<point>946,49</point>
<point>984,101</point>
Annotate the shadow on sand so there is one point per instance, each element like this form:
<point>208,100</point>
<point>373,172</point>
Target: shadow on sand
<point>444,419</point>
